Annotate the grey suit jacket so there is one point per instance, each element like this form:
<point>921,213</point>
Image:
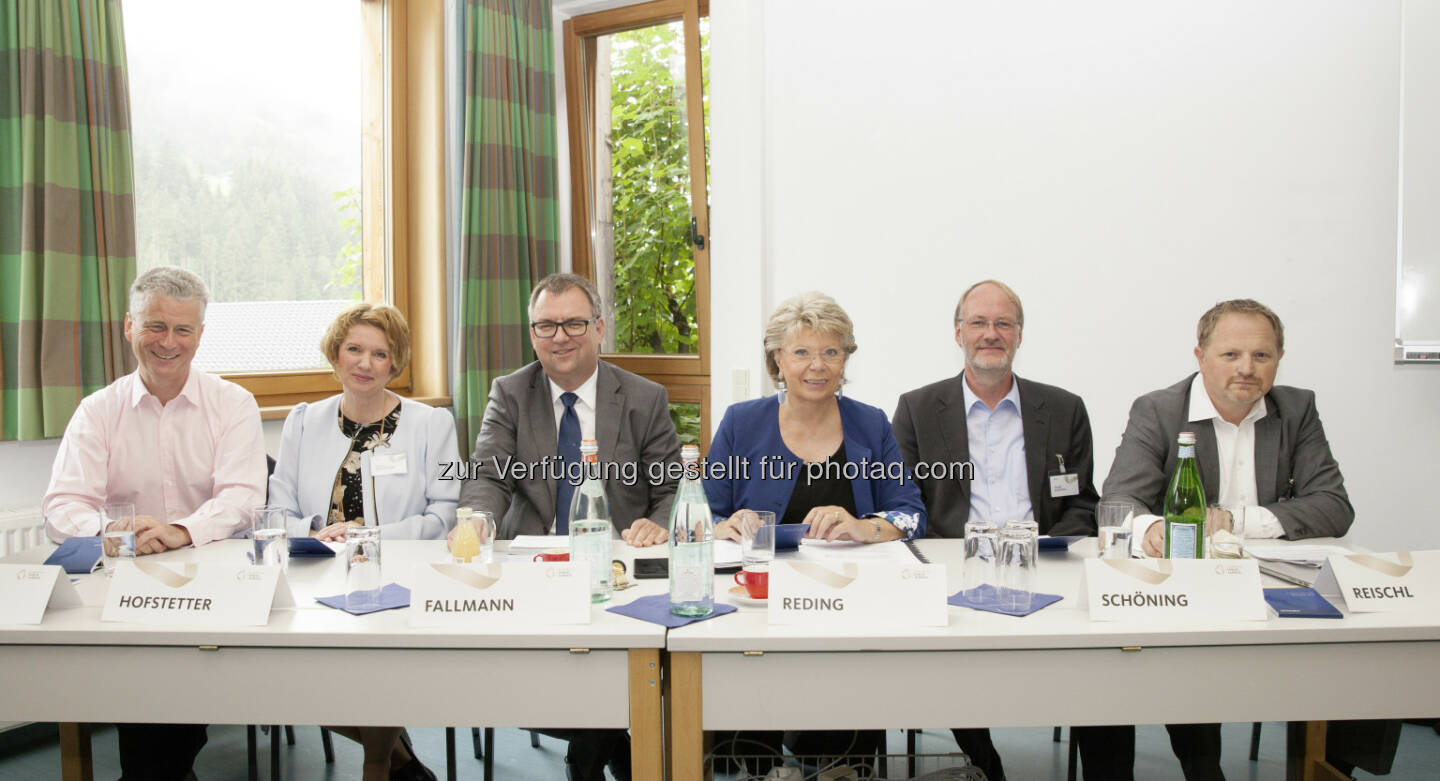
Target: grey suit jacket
<point>632,429</point>
<point>1296,477</point>
<point>930,426</point>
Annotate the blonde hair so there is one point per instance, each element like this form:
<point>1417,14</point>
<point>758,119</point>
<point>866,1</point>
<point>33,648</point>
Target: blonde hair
<point>1237,306</point>
<point>813,310</point>
<point>382,316</point>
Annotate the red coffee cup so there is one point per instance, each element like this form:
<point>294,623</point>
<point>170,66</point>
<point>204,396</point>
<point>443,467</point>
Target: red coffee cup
<point>554,554</point>
<point>757,584</point>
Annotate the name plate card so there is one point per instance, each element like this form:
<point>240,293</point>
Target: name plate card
<point>151,592</point>
<point>1382,582</point>
<point>500,594</point>
<point>29,588</point>
<point>857,594</point>
<point>1149,589</point>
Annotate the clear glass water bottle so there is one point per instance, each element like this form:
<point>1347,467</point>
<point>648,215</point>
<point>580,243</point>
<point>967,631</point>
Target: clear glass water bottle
<point>590,524</point>
<point>692,551</point>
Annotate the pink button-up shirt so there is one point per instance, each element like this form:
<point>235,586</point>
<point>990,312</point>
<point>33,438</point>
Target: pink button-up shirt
<point>198,461</point>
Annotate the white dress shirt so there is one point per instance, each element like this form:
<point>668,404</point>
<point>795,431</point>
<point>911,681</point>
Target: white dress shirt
<point>584,410</point>
<point>1000,490</point>
<point>1235,454</point>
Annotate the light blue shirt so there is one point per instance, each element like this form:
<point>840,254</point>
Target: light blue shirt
<point>1000,490</point>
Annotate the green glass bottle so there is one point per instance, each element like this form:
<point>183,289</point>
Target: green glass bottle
<point>1185,505</point>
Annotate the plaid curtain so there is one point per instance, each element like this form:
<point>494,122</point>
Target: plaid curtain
<point>509,224</point>
<point>67,213</point>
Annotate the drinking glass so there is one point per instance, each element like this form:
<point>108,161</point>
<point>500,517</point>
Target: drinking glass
<point>1223,544</point>
<point>480,549</point>
<point>1017,566</point>
<point>757,550</point>
<point>117,542</point>
<point>267,530</point>
<point>1034,528</point>
<point>981,545</point>
<point>362,567</point>
<point>1112,519</point>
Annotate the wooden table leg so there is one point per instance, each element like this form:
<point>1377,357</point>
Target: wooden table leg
<point>683,722</point>
<point>1305,753</point>
<point>75,763</point>
<point>647,745</point>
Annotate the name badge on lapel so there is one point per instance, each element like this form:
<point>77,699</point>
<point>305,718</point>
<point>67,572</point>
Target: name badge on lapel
<point>382,464</point>
<point>1063,483</point>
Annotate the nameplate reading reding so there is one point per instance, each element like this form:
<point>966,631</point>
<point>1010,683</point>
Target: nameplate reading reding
<point>152,592</point>
<point>1165,589</point>
<point>855,594</point>
<point>29,588</point>
<point>512,594</point>
<point>1383,582</point>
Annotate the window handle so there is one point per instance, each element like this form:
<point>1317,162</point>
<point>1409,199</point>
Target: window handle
<point>695,237</point>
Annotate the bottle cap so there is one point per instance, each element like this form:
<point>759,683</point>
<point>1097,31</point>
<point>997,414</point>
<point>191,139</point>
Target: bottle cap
<point>588,446</point>
<point>1187,438</point>
<point>689,453</point>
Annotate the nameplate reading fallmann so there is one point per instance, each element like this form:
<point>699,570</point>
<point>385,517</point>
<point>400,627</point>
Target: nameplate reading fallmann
<point>469,605</point>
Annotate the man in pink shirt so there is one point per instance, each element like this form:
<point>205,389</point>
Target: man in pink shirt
<point>184,447</point>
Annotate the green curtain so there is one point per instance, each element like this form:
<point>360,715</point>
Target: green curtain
<point>509,223</point>
<point>67,210</point>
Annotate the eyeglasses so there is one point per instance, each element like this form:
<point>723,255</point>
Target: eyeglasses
<point>545,329</point>
<point>806,355</point>
<point>980,324</point>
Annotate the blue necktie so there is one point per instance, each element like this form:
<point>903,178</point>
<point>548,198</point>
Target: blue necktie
<point>568,448</point>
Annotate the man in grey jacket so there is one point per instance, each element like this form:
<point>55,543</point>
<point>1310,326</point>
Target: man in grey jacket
<point>528,448</point>
<point>1259,446</point>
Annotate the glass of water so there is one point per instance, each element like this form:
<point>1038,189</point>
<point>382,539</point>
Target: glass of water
<point>362,568</point>
<point>117,535</point>
<point>1112,519</point>
<point>1226,543</point>
<point>1017,566</point>
<point>267,529</point>
<point>981,545</point>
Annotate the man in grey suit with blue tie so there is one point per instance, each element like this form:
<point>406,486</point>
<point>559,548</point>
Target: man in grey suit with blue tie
<point>537,417</point>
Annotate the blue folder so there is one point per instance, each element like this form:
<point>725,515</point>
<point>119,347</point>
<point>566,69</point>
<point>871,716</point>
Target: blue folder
<point>77,555</point>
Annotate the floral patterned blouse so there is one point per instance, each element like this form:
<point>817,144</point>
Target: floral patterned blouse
<point>347,498</point>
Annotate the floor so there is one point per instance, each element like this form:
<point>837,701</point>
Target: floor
<point>1028,754</point>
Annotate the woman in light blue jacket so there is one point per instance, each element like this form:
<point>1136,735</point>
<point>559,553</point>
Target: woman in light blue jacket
<point>369,457</point>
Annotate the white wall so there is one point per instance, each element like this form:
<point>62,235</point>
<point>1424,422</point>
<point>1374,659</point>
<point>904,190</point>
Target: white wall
<point>1123,165</point>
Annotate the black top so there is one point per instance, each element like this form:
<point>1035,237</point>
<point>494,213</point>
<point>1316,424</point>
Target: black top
<point>347,498</point>
<point>828,488</point>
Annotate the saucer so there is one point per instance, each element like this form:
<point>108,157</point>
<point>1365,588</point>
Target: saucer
<point>739,596</point>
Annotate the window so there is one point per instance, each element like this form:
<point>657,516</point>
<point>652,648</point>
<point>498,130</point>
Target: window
<point>296,167</point>
<point>635,83</point>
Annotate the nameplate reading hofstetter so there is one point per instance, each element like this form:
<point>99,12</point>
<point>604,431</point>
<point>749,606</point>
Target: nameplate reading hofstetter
<point>175,594</point>
<point>1383,582</point>
<point>490,595</point>
<point>1167,589</point>
<point>857,594</point>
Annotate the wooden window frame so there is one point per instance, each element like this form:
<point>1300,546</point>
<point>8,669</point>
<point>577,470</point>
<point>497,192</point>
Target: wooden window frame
<point>402,202</point>
<point>685,377</point>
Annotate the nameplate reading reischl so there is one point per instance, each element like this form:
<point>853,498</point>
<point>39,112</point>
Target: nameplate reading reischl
<point>476,596</point>
<point>27,589</point>
<point>1167,589</point>
<point>1382,582</point>
<point>857,594</point>
<point>153,592</point>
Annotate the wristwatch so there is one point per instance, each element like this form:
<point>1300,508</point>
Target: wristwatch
<point>876,523</point>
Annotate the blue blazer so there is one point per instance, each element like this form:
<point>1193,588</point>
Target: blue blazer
<point>750,432</point>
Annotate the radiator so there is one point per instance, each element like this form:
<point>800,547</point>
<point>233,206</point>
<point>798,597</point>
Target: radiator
<point>20,528</point>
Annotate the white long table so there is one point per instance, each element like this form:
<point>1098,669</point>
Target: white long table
<point>316,665</point>
<point>1053,667</point>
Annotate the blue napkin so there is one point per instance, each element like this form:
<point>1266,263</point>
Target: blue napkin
<point>77,555</point>
<point>997,600</point>
<point>656,610</point>
<point>393,595</point>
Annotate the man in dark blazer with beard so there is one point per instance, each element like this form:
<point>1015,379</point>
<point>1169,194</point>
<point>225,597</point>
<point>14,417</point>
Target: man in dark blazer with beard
<point>1028,448</point>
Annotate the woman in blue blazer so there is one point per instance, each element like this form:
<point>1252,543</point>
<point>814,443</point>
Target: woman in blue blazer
<point>808,454</point>
<point>368,457</point>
